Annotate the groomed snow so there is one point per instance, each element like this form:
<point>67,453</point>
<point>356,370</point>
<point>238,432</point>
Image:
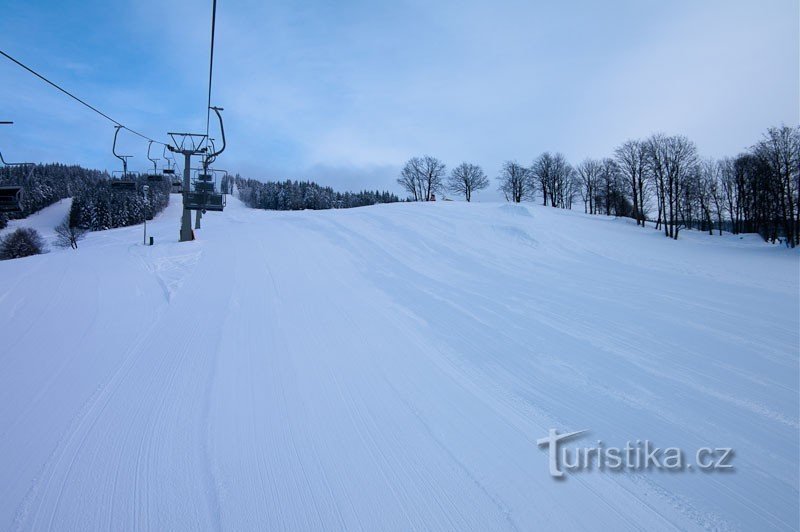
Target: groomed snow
<point>44,221</point>
<point>392,367</point>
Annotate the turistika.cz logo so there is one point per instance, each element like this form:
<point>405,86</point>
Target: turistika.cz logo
<point>640,455</point>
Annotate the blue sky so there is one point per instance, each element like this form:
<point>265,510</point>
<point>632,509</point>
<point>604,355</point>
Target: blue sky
<point>345,92</point>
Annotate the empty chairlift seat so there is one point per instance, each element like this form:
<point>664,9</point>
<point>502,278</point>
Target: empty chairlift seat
<point>155,178</point>
<point>204,201</point>
<point>11,199</point>
<point>215,202</point>
<point>123,186</point>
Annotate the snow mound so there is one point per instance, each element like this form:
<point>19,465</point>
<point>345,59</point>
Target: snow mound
<point>514,209</point>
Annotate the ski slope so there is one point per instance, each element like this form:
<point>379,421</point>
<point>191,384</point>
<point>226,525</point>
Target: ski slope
<point>45,221</point>
<point>391,368</point>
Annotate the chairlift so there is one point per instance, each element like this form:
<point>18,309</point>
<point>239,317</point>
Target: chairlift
<point>204,180</point>
<point>169,170</point>
<point>11,198</point>
<point>204,201</point>
<point>211,156</point>
<point>177,182</point>
<point>224,180</point>
<point>11,195</point>
<point>155,176</point>
<point>212,201</point>
<point>124,184</point>
<point>225,183</point>
<point>215,202</point>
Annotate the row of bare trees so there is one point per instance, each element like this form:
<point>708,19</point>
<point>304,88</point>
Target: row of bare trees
<point>423,177</point>
<point>660,179</point>
<point>623,185</point>
<point>756,191</point>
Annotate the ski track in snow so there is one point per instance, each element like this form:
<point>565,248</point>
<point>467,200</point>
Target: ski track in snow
<point>392,367</point>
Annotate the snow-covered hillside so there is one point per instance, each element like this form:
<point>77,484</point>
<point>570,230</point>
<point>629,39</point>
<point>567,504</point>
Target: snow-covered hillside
<point>44,221</point>
<point>392,367</point>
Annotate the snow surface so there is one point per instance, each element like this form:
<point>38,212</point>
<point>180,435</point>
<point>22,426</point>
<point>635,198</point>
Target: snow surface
<point>392,367</point>
<point>44,221</point>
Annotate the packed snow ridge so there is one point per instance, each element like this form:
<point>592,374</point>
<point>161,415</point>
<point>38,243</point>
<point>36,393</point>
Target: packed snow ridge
<point>392,368</point>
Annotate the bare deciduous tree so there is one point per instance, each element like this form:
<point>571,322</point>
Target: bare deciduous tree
<point>589,174</point>
<point>572,187</point>
<point>67,236</point>
<point>554,176</point>
<point>542,171</point>
<point>718,195</point>
<point>466,178</point>
<point>779,152</point>
<point>709,196</point>
<point>671,161</point>
<point>516,182</point>
<point>610,194</point>
<point>631,159</point>
<point>422,177</point>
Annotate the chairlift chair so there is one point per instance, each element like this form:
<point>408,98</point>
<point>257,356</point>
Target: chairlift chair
<point>215,202</point>
<point>121,181</point>
<point>155,176</point>
<point>11,195</point>
<point>11,198</point>
<point>225,180</point>
<point>177,183</point>
<point>204,201</point>
<point>169,170</point>
<point>123,186</point>
<point>204,182</point>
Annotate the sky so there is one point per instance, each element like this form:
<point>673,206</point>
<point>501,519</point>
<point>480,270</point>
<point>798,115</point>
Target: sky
<point>344,92</point>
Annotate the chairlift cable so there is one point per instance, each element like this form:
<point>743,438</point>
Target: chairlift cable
<point>29,69</point>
